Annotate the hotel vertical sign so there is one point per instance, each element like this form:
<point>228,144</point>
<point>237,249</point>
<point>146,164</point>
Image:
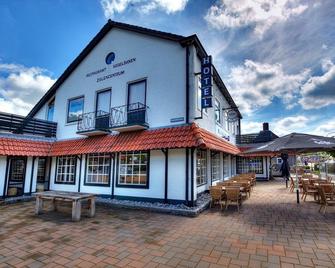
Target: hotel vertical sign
<point>206,82</point>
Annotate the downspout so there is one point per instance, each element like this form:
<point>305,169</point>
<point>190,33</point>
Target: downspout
<point>187,176</point>
<point>166,153</point>
<point>80,165</point>
<point>187,85</point>
<point>113,175</point>
<point>49,175</point>
<point>6,177</point>
<point>192,176</point>
<point>32,175</point>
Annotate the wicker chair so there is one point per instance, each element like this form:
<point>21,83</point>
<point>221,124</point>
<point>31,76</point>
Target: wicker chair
<point>233,196</point>
<point>308,191</point>
<point>292,184</point>
<point>217,196</point>
<point>324,200</point>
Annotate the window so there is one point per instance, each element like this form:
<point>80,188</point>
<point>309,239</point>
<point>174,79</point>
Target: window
<point>252,164</point>
<point>66,169</point>
<point>75,109</point>
<point>50,112</point>
<point>41,167</point>
<point>225,165</point>
<point>134,169</point>
<point>98,169</point>
<point>137,93</point>
<point>103,101</point>
<point>217,111</point>
<point>215,166</point>
<point>201,167</point>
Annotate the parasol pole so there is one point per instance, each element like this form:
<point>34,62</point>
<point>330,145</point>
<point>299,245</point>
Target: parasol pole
<point>296,178</point>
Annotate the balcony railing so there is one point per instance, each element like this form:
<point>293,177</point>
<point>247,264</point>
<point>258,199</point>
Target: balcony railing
<point>24,125</point>
<point>93,123</point>
<point>129,117</point>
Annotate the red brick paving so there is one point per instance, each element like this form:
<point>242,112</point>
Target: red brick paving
<point>270,231</point>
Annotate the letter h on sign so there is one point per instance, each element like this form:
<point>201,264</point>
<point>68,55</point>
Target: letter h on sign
<point>206,82</point>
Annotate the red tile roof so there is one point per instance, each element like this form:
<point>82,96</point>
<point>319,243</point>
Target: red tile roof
<point>163,138</point>
<point>24,147</point>
<point>173,137</point>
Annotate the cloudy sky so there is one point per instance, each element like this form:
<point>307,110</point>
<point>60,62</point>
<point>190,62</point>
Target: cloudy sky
<point>276,57</point>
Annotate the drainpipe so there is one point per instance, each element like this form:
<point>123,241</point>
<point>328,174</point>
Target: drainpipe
<point>187,85</point>
<point>192,176</point>
<point>6,177</point>
<point>32,175</point>
<point>187,176</point>
<point>166,153</point>
<point>113,175</point>
<point>80,165</point>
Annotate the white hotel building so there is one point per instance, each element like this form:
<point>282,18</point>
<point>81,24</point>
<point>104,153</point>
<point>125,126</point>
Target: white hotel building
<point>124,121</point>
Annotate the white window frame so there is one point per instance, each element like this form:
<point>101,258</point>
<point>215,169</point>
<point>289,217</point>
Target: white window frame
<point>215,166</point>
<point>98,169</point>
<point>130,173</point>
<point>201,167</point>
<point>66,169</point>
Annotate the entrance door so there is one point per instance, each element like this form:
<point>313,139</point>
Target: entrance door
<point>42,180</point>
<point>16,177</point>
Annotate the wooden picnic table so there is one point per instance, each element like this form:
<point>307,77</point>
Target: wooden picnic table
<point>73,197</point>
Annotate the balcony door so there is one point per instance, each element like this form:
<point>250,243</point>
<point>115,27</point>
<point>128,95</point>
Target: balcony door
<point>102,108</point>
<point>103,101</point>
<point>16,177</point>
<point>136,106</point>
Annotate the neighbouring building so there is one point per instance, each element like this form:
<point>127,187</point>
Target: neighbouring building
<point>125,120</point>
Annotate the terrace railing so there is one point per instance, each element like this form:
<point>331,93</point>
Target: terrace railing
<point>18,124</point>
<point>93,121</point>
<point>129,115</point>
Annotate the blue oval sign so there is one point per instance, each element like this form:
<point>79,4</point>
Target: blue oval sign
<point>110,58</point>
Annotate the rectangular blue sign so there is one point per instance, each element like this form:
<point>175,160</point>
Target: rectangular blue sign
<point>206,103</point>
<point>206,82</point>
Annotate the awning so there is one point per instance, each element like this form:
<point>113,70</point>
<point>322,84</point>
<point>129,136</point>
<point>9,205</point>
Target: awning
<point>152,139</point>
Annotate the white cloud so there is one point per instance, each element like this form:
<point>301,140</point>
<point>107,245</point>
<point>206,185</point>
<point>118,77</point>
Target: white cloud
<point>260,15</point>
<point>279,126</point>
<point>21,87</point>
<point>111,7</point>
<point>319,91</point>
<point>326,129</point>
<point>254,85</point>
<point>289,124</point>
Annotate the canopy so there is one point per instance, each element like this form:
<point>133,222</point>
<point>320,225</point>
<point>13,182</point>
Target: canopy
<point>296,143</point>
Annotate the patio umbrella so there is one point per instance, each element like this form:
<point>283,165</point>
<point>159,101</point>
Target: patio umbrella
<point>296,143</point>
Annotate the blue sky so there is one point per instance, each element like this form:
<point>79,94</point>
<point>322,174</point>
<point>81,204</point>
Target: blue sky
<point>277,58</point>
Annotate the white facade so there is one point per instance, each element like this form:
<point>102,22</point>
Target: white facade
<point>162,64</point>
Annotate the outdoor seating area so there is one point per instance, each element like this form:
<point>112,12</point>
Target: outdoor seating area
<point>233,191</point>
<point>321,189</point>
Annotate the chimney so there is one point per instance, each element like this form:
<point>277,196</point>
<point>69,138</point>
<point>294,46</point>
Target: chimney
<point>265,126</point>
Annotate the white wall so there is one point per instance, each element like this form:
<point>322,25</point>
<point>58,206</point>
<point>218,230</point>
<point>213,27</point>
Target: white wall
<point>3,163</point>
<point>162,62</point>
<point>177,174</point>
<point>208,121</point>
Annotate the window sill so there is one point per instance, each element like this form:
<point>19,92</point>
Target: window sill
<point>97,184</point>
<point>66,183</point>
<point>132,186</point>
<point>202,184</point>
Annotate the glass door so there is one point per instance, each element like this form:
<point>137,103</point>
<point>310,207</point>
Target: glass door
<point>16,177</point>
<point>42,180</point>
<point>103,105</point>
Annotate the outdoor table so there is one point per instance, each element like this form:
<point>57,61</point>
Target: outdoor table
<point>224,188</point>
<point>75,198</point>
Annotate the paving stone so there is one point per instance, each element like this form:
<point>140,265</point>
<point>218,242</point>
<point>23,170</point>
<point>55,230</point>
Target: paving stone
<point>271,230</point>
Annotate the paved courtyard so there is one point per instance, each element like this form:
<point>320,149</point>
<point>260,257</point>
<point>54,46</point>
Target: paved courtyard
<point>270,231</point>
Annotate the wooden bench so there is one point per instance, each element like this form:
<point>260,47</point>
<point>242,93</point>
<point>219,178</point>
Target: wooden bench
<point>75,198</point>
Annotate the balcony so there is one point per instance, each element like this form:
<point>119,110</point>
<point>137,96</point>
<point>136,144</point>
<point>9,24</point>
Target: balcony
<point>25,125</point>
<point>129,117</point>
<point>94,123</point>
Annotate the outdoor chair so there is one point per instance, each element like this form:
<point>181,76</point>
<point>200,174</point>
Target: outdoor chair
<point>324,202</point>
<point>233,196</point>
<point>308,191</point>
<point>292,184</point>
<point>329,179</point>
<point>217,196</point>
